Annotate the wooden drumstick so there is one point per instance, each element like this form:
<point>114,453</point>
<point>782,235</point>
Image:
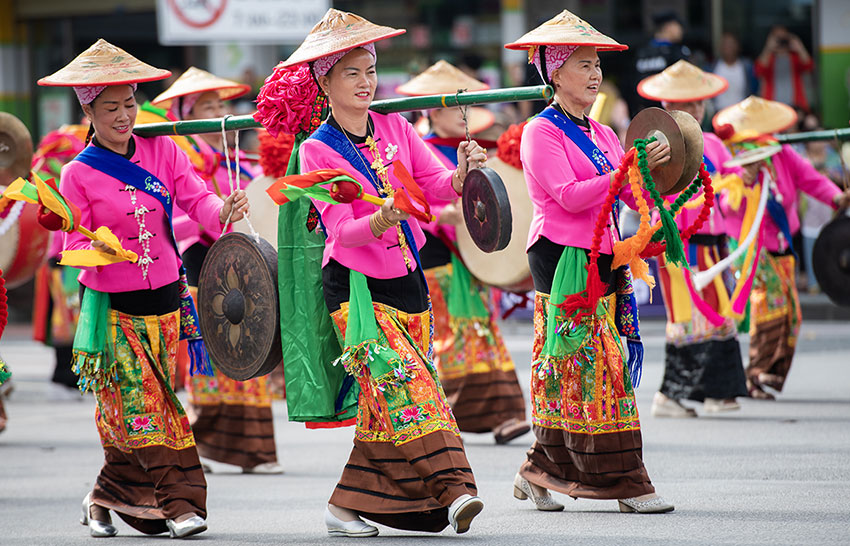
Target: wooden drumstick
<point>343,191</point>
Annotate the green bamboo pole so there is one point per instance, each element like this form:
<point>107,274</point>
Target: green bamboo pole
<point>405,104</point>
<point>811,136</point>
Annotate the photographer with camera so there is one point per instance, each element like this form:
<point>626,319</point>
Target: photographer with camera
<point>781,66</point>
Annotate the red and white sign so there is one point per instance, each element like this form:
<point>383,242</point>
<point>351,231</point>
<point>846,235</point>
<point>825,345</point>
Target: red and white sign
<point>202,22</point>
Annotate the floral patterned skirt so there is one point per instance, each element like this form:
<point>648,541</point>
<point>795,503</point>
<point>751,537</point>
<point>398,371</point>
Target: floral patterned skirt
<point>775,318</point>
<point>408,463</point>
<point>152,471</point>
<point>474,365</point>
<point>585,417</point>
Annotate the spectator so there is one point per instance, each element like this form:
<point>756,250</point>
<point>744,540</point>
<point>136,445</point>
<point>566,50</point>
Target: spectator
<point>664,49</point>
<point>781,66</point>
<point>737,71</point>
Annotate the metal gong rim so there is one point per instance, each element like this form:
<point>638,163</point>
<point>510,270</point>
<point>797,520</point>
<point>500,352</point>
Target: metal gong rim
<point>487,209</point>
<point>831,260</point>
<point>659,123</point>
<point>238,306</point>
<point>694,142</point>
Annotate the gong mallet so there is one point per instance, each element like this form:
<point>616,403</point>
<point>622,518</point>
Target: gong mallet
<point>346,191</point>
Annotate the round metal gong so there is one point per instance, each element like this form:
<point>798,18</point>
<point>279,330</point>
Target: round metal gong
<point>15,149</point>
<point>694,143</point>
<point>238,306</point>
<point>831,260</point>
<point>486,209</point>
<point>658,123</point>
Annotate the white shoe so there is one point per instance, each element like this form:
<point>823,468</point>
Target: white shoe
<point>187,527</point>
<point>462,510</point>
<point>545,502</point>
<point>717,405</point>
<point>264,468</point>
<point>97,529</point>
<point>354,528</point>
<point>663,406</point>
<point>652,506</point>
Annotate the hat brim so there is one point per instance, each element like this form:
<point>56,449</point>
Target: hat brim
<point>224,93</point>
<point>314,52</point>
<point>599,46</point>
<point>781,119</point>
<point>648,88</point>
<point>411,91</point>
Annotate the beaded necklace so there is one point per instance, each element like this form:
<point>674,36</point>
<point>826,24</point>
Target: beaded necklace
<point>382,184</point>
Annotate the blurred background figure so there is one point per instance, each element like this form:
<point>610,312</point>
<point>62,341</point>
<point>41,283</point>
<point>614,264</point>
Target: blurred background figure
<point>781,66</point>
<point>664,49</point>
<point>737,71</point>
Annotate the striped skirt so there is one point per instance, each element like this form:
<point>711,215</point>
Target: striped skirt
<point>408,463</point>
<point>151,471</point>
<point>775,319</point>
<point>474,365</point>
<point>701,359</point>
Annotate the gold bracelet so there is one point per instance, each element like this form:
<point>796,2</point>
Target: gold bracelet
<point>383,222</point>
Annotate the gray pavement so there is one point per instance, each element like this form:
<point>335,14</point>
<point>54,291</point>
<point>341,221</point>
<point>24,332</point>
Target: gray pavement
<point>773,473</point>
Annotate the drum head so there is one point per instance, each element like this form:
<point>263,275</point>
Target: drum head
<point>238,306</point>
<point>486,209</point>
<point>15,149</point>
<point>658,123</point>
<point>508,268</point>
<point>831,260</point>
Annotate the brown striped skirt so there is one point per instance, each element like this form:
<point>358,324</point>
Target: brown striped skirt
<point>408,463</point>
<point>474,365</point>
<point>151,470</point>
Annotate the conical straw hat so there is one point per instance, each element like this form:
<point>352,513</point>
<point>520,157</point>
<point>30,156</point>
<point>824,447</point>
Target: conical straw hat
<point>196,80</point>
<point>478,119</point>
<point>440,78</point>
<point>104,64</point>
<point>566,29</point>
<point>338,31</point>
<point>682,82</point>
<point>756,116</point>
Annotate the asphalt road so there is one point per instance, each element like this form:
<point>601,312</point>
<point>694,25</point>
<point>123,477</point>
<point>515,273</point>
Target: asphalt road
<point>773,473</point>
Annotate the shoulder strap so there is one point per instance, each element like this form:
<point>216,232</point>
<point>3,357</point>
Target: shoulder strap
<point>579,138</point>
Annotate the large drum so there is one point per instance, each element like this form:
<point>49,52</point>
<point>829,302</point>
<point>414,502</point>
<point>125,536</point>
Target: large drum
<point>508,268</point>
<point>23,242</point>
<point>263,211</point>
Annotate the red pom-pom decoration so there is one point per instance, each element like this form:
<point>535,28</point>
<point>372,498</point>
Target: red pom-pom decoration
<point>725,131</point>
<point>49,219</point>
<point>275,152</point>
<point>286,100</point>
<point>508,145</point>
<point>344,191</point>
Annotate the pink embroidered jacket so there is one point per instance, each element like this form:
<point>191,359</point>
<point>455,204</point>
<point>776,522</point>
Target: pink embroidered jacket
<point>349,237</point>
<point>437,206</point>
<point>793,174</point>
<point>718,154</point>
<point>566,191</point>
<point>189,232</point>
<point>105,201</point>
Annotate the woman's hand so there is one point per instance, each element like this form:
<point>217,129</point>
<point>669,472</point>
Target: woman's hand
<point>469,156</point>
<point>386,218</point>
<point>842,200</point>
<point>235,207</point>
<point>100,246</point>
<point>750,172</point>
<point>657,154</point>
<point>451,215</point>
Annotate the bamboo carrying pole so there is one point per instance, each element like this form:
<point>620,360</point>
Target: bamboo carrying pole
<point>405,104</point>
<point>811,136</point>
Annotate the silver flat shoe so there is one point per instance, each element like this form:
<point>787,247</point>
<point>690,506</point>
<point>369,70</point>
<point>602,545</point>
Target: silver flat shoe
<point>187,527</point>
<point>652,506</point>
<point>463,510</point>
<point>663,406</point>
<point>717,405</point>
<point>545,503</point>
<point>97,529</point>
<point>353,529</point>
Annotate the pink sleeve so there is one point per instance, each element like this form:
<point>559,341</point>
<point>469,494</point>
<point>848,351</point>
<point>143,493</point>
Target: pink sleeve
<point>808,179</point>
<point>547,161</point>
<point>433,177</point>
<point>191,192</point>
<point>75,193</point>
<point>338,219</point>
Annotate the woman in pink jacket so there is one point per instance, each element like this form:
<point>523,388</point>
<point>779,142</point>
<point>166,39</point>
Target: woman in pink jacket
<point>408,468</point>
<point>774,305</point>
<point>134,313</point>
<point>582,400</point>
<point>702,357</point>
